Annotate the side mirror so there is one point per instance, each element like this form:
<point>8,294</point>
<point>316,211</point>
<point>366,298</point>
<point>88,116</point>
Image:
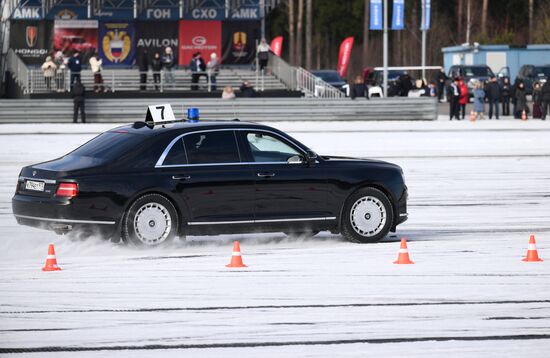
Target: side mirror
<point>311,157</point>
<point>295,159</point>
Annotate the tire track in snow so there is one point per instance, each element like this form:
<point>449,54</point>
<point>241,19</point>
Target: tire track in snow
<point>225,308</point>
<point>273,344</point>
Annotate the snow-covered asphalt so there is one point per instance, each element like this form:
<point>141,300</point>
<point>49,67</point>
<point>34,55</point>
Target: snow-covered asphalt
<point>477,191</point>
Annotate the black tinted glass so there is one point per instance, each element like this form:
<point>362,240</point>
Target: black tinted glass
<point>109,145</point>
<point>211,147</point>
<point>176,155</point>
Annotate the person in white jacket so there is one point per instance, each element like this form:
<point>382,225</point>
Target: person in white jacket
<point>48,68</point>
<point>95,64</point>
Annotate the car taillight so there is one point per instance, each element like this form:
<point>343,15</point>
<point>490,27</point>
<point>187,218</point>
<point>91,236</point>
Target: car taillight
<point>67,190</point>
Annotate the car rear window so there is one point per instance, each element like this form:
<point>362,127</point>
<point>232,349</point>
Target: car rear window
<point>478,72</point>
<point>109,145</point>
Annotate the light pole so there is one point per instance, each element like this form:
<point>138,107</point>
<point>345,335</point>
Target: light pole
<point>385,54</point>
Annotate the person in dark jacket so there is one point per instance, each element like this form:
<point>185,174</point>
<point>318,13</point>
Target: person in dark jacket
<point>453,93</point>
<point>492,92</point>
<point>247,90</point>
<point>545,99</point>
<point>359,89</point>
<point>197,67</point>
<point>441,78</point>
<point>521,100</point>
<point>405,84</point>
<point>156,66</point>
<point>78,93</point>
<point>75,65</point>
<point>506,92</point>
<point>537,100</point>
<point>143,64</point>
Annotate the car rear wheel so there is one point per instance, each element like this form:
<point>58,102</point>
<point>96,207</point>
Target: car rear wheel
<point>367,216</point>
<point>152,220</point>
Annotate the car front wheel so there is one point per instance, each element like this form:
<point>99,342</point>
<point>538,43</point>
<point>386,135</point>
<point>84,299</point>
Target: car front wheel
<point>151,220</point>
<point>367,216</point>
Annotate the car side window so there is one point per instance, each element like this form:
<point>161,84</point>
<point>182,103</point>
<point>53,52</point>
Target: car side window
<point>267,148</point>
<point>176,155</point>
<point>211,147</point>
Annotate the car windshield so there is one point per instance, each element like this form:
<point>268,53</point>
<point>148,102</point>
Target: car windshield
<point>542,71</point>
<point>478,72</point>
<point>109,145</point>
<point>328,76</point>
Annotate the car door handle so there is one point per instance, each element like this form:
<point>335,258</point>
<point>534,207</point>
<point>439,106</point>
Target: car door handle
<point>181,177</point>
<point>265,174</point>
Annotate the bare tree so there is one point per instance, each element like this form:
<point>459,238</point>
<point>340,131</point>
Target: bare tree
<point>531,5</point>
<point>309,45</point>
<point>291,39</point>
<point>468,20</point>
<point>299,33</point>
<point>460,15</point>
<point>366,18</point>
<point>484,17</point>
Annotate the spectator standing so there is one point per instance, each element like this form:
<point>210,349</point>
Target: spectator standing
<point>75,65</point>
<point>48,68</point>
<point>156,66</point>
<point>168,63</point>
<point>521,100</point>
<point>359,89</point>
<point>537,100</point>
<point>143,64</point>
<point>197,68</point>
<point>263,54</point>
<point>454,95</point>
<point>78,92</point>
<point>247,90</point>
<point>60,71</point>
<point>441,80</point>
<point>492,91</point>
<point>213,68</point>
<point>463,100</point>
<point>506,92</point>
<point>95,65</point>
<point>405,84</point>
<point>479,101</point>
<point>228,93</point>
<point>545,99</point>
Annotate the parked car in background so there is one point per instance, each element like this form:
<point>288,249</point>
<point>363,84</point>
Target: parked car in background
<point>530,74</point>
<point>471,74</point>
<point>331,77</point>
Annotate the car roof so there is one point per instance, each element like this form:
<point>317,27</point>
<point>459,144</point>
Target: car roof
<point>185,126</point>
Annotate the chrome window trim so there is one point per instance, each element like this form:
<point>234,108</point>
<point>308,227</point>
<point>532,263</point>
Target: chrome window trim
<point>65,220</point>
<point>162,157</point>
<point>47,181</point>
<point>197,223</point>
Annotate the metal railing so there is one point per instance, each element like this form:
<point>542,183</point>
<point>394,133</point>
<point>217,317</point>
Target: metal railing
<point>299,79</point>
<point>18,69</point>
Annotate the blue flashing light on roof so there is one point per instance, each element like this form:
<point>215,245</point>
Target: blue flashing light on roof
<point>193,115</point>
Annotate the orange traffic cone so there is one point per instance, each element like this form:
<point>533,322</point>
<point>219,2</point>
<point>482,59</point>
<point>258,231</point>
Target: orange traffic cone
<point>532,254</point>
<point>523,116</point>
<point>472,116</point>
<point>403,257</point>
<point>51,261</point>
<point>236,258</point>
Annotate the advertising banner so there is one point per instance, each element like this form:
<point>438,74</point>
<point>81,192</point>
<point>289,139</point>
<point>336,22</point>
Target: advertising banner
<point>117,42</point>
<point>155,36</point>
<point>398,15</point>
<point>31,40</point>
<point>28,13</point>
<point>239,41</point>
<point>376,14</point>
<point>245,12</point>
<point>160,13</point>
<point>208,10</point>
<point>67,12</point>
<point>277,46</point>
<point>425,25</point>
<point>344,56</point>
<point>76,35</point>
<point>199,36</point>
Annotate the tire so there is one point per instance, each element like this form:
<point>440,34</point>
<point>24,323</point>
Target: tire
<point>302,234</point>
<point>367,216</point>
<point>152,220</point>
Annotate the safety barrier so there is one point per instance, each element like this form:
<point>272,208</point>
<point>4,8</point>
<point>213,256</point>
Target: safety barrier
<point>256,109</point>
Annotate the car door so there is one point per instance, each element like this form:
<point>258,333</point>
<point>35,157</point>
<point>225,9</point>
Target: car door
<point>287,188</point>
<point>207,175</point>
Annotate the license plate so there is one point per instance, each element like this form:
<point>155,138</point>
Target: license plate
<point>34,185</point>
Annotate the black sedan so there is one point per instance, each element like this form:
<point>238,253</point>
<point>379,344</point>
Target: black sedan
<point>150,183</point>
